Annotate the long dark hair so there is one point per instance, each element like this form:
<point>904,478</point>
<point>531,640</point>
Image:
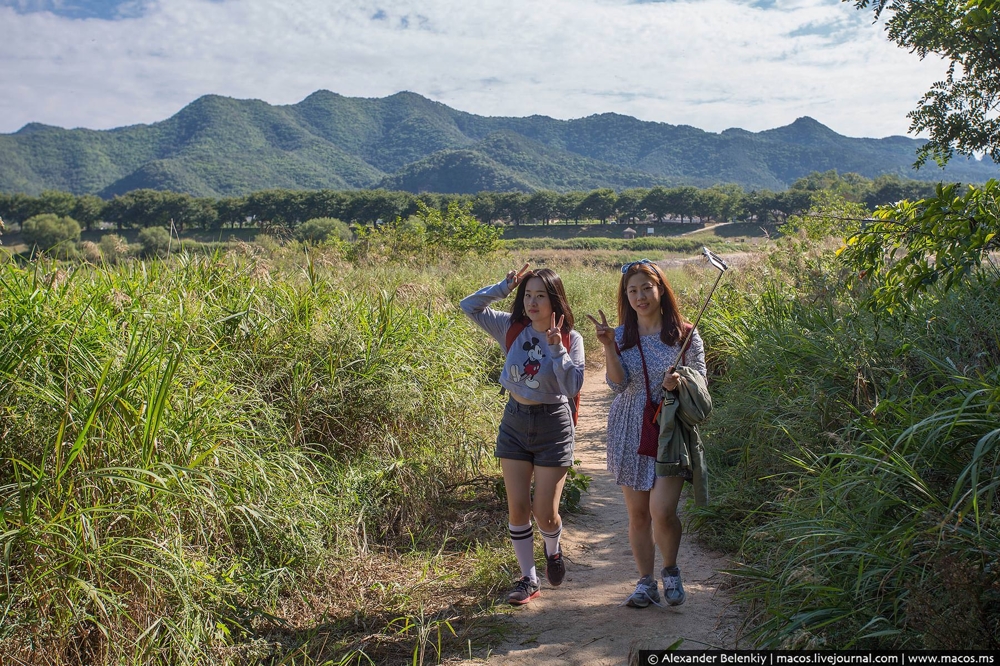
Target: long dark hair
<point>673,324</point>
<point>557,295</point>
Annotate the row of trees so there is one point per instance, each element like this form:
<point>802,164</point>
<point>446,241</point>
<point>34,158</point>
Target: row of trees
<point>290,208</point>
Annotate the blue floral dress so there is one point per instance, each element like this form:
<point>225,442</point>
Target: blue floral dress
<point>625,416</point>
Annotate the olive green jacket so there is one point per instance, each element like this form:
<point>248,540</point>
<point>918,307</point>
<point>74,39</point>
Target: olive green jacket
<point>680,444</point>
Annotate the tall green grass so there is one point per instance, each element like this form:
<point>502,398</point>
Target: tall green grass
<point>187,444</point>
<point>856,459</point>
<point>269,455</point>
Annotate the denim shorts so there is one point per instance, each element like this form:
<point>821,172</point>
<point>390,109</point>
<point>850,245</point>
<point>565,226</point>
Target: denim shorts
<point>541,434</point>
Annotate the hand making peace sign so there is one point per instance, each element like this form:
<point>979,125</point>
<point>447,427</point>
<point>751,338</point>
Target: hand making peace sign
<point>514,277</point>
<point>605,333</point>
<point>553,335</point>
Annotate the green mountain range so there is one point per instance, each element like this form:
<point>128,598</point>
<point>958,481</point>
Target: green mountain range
<point>219,146</point>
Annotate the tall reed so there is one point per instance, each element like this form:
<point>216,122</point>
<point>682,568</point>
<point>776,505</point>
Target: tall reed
<point>186,442</point>
<point>856,460</point>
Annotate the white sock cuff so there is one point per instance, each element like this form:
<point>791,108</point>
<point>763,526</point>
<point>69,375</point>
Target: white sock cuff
<point>519,532</point>
<point>554,534</point>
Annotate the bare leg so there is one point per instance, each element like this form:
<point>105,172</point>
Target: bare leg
<point>640,536</point>
<point>663,509</point>
<point>517,481</point>
<point>548,489</point>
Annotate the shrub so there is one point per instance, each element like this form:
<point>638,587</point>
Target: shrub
<point>155,241</point>
<point>430,234</point>
<point>90,251</point>
<point>48,230</point>
<point>114,248</point>
<point>458,231</point>
<point>322,230</point>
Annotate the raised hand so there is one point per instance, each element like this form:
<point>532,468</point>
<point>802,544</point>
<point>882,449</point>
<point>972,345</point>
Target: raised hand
<point>605,333</point>
<point>514,277</point>
<point>553,335</point>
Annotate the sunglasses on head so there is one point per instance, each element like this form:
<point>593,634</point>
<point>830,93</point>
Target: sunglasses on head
<point>634,263</point>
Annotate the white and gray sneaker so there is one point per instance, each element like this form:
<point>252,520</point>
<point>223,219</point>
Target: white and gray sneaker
<point>673,589</point>
<point>645,593</point>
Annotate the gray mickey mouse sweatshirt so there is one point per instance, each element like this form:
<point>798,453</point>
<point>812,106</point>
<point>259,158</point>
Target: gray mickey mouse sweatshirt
<point>533,369</point>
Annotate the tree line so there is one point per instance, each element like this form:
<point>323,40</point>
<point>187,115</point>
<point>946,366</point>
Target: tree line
<point>289,209</point>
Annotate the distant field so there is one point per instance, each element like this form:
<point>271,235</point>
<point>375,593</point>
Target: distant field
<point>731,236</point>
<point>564,231</point>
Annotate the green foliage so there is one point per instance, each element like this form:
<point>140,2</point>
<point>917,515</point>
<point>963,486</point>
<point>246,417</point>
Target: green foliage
<point>577,483</point>
<point>855,458</point>
<point>457,231</point>
<point>155,241</point>
<point>48,231</point>
<point>88,210</point>
<point>914,245</point>
<point>197,443</point>
<point>457,171</point>
<point>323,229</point>
<point>959,113</point>
<point>599,204</point>
<point>628,205</point>
<point>830,217</point>
<point>426,236</point>
<point>878,526</point>
<point>146,208</point>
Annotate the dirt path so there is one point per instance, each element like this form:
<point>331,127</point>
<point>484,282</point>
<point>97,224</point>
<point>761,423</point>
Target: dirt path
<point>707,227</point>
<point>582,621</point>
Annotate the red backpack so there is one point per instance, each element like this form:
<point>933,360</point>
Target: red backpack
<point>515,330</point>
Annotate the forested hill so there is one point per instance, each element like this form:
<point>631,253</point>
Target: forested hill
<point>218,146</point>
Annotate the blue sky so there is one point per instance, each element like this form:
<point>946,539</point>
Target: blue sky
<point>713,64</point>
<point>81,9</point>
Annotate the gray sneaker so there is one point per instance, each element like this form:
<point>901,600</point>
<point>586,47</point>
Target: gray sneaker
<point>673,589</point>
<point>645,593</point>
<point>524,591</point>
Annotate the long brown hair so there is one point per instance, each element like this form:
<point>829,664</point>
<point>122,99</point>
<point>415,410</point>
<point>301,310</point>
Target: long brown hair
<point>557,295</point>
<point>673,325</point>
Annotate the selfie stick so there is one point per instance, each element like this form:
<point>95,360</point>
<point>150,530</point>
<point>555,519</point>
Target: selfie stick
<point>716,261</point>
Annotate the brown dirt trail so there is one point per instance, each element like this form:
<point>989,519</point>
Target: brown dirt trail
<point>582,621</point>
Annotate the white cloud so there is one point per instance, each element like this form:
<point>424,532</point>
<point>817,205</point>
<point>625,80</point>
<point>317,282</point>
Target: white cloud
<point>712,64</point>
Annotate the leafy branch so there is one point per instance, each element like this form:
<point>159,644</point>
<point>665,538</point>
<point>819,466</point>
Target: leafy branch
<point>961,112</point>
<point>908,247</point>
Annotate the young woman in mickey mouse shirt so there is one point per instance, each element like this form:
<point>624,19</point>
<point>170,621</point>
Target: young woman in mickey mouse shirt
<point>536,432</point>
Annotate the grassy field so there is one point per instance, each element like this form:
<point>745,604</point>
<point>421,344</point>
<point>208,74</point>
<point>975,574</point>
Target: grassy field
<point>263,453</point>
<point>590,229</point>
<point>206,458</point>
<point>279,454</point>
